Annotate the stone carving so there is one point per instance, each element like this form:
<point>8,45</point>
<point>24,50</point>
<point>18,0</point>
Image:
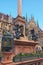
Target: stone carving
<point>18,31</point>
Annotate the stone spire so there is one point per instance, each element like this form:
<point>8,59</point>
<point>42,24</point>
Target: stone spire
<point>37,24</point>
<point>20,7</point>
<point>26,16</point>
<point>10,19</point>
<point>32,17</point>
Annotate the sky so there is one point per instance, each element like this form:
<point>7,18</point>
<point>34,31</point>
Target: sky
<point>29,7</point>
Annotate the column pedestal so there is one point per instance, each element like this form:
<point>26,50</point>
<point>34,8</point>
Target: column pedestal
<point>7,58</point>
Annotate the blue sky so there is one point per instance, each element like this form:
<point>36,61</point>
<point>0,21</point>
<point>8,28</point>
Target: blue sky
<point>31,7</point>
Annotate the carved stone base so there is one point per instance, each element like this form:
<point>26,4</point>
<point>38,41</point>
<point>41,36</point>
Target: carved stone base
<point>7,58</point>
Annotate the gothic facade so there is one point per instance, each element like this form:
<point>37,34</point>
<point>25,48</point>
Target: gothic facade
<point>21,29</point>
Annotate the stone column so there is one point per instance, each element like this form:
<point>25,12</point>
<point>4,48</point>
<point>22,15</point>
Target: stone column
<point>20,7</point>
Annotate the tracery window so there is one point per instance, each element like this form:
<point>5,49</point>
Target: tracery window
<point>34,35</point>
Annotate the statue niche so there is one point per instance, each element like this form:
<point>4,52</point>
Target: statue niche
<point>34,36</point>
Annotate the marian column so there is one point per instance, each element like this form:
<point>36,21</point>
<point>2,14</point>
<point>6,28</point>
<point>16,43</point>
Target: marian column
<point>20,7</point>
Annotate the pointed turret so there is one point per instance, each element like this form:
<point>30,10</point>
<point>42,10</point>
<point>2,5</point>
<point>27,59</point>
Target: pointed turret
<point>38,26</point>
<point>26,16</point>
<point>32,18</point>
<point>2,17</point>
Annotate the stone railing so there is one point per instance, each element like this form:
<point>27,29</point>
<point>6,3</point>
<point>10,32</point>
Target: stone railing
<point>30,62</point>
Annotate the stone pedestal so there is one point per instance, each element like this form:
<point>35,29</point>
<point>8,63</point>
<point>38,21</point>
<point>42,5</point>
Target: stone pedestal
<point>7,58</point>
